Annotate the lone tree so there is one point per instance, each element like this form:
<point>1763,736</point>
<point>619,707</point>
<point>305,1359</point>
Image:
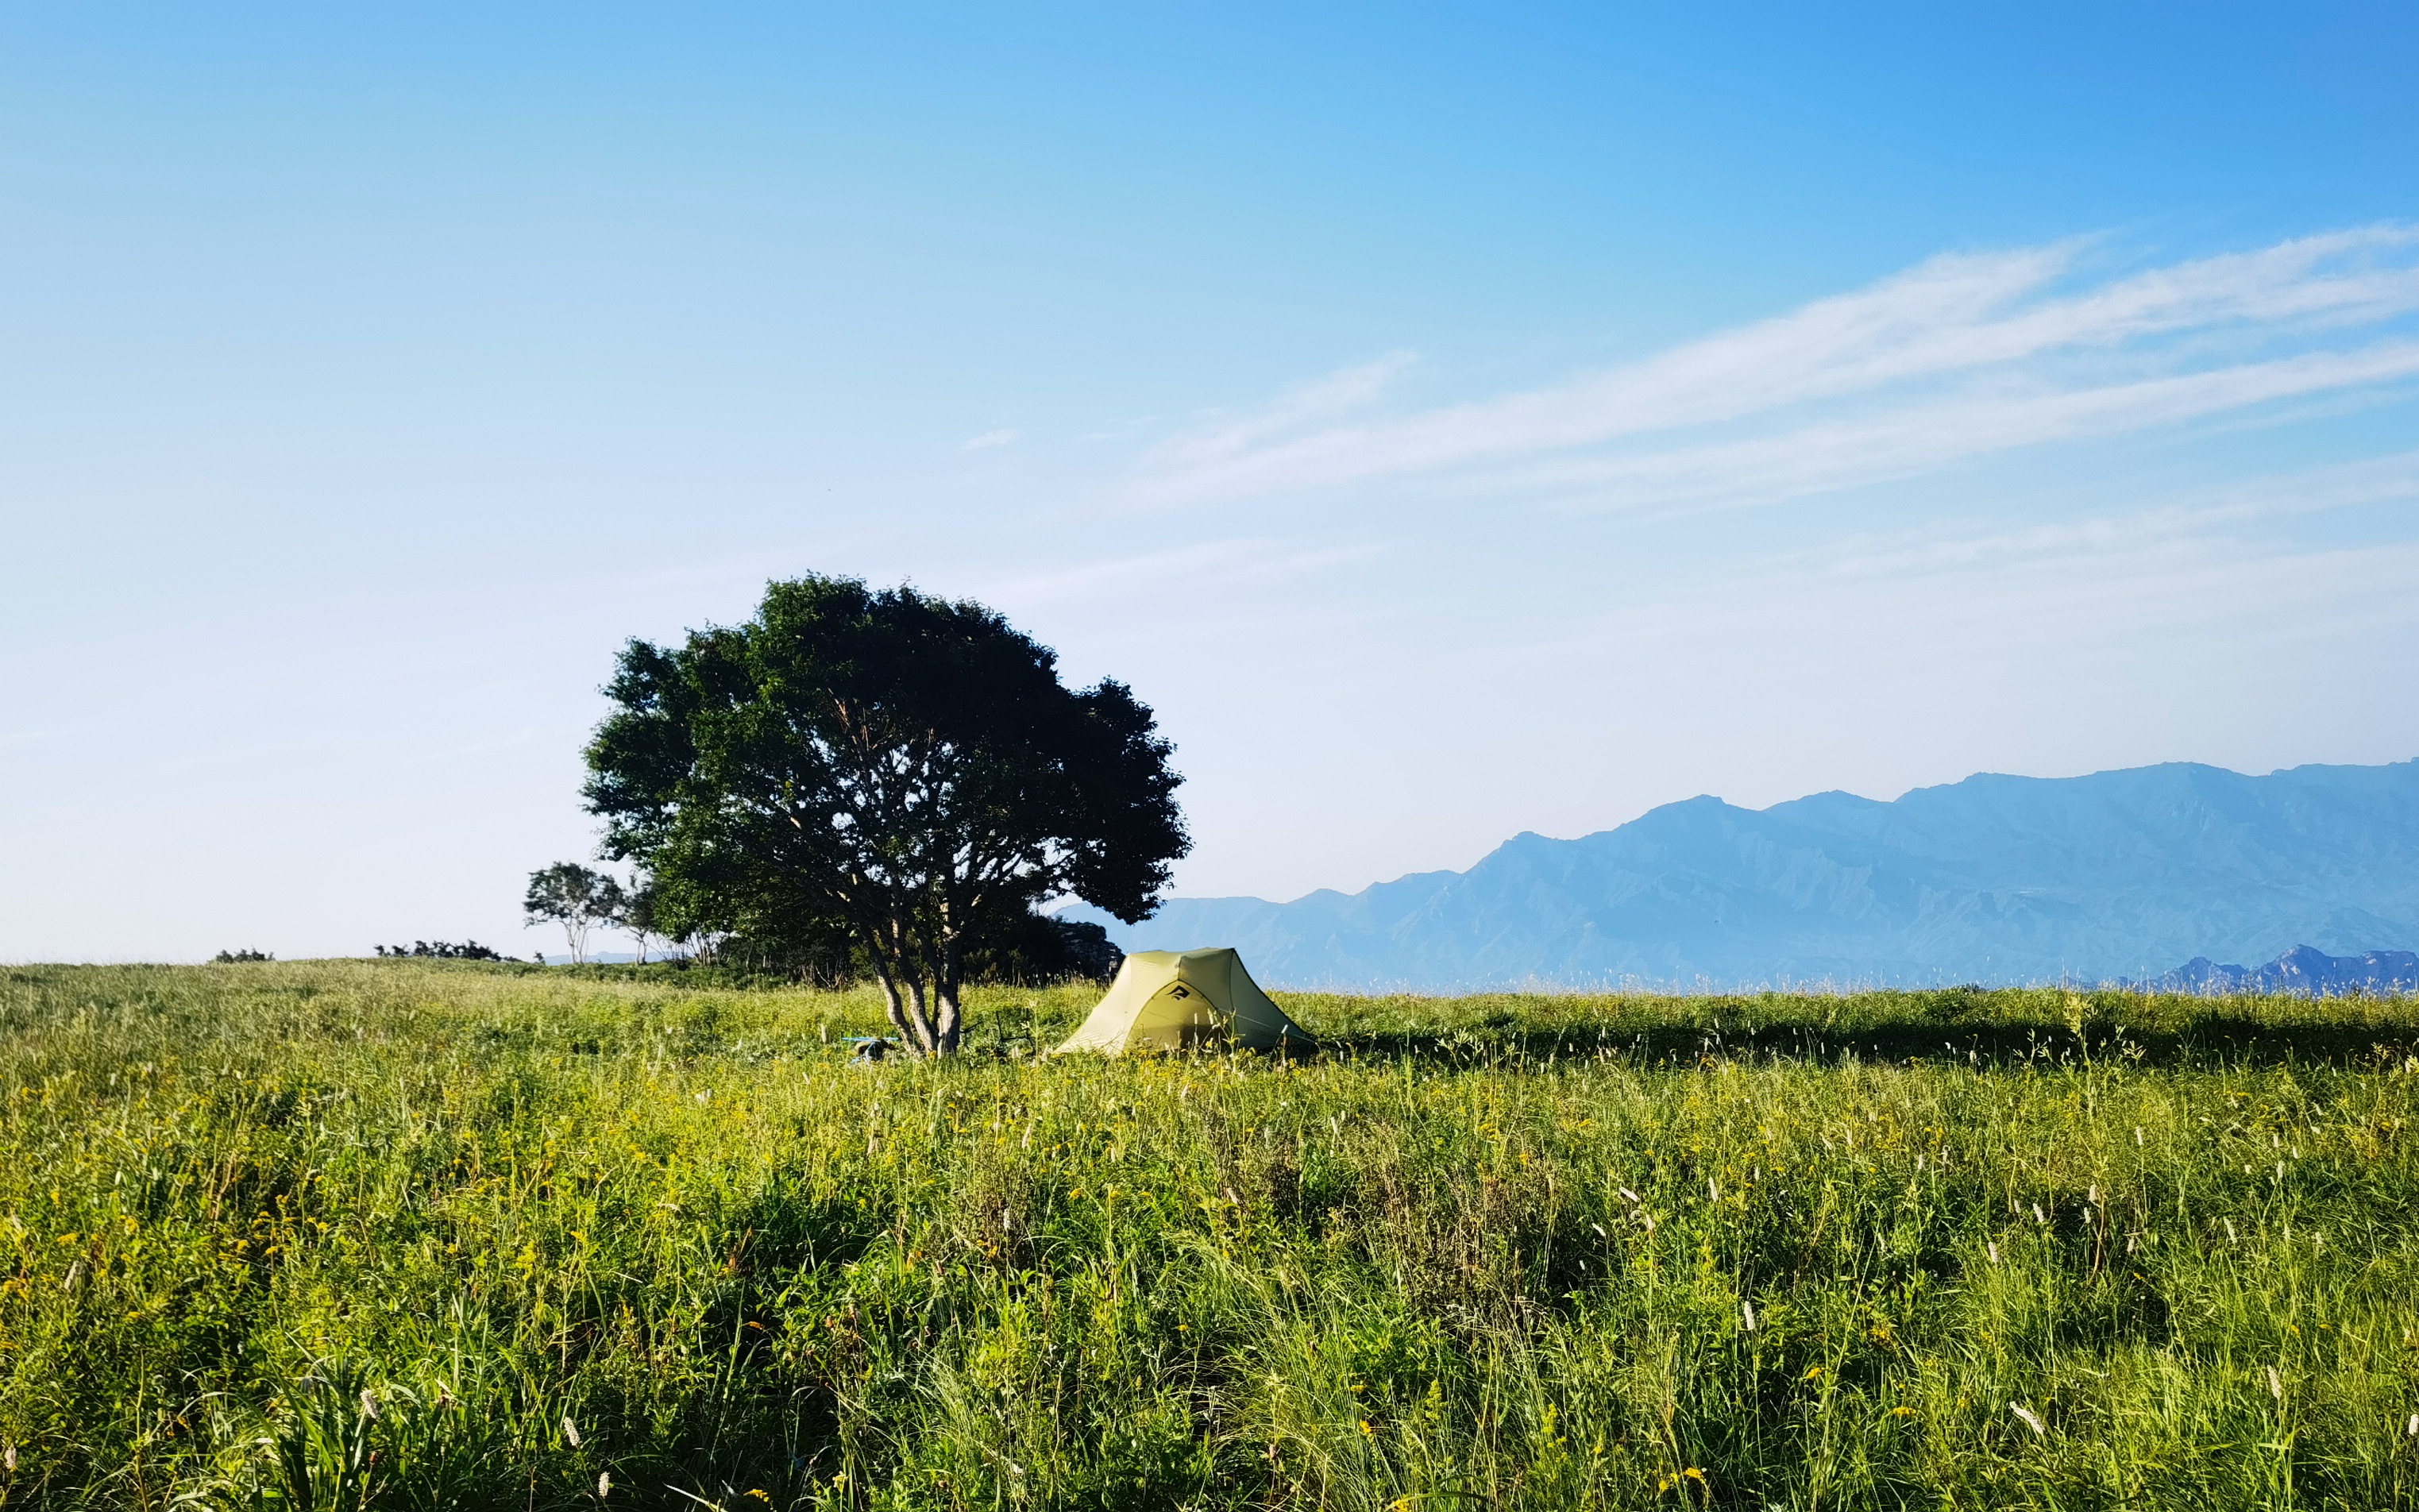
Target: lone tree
<point>637,912</point>
<point>903,772</point>
<point>574,897</point>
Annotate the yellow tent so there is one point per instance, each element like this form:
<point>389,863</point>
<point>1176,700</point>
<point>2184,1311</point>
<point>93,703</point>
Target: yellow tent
<point>1185,1000</point>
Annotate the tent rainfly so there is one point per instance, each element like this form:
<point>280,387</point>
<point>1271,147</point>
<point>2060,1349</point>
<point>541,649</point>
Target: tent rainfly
<point>1185,1000</point>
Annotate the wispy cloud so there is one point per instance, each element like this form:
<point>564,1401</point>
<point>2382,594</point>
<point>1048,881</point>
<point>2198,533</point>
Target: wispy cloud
<point>1153,573</point>
<point>2235,565</point>
<point>2198,518</point>
<point>1963,355</point>
<point>1338,393</point>
<point>1921,436</point>
<point>990,438</point>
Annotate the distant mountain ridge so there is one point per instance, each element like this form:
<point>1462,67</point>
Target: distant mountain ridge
<point>1994,879</point>
<point>2302,970</point>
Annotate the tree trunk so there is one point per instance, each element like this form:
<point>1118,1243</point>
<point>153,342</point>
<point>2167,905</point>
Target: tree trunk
<point>907,1012</point>
<point>944,991</point>
<point>928,1041</point>
<point>887,942</point>
<point>897,1004</point>
<point>946,1031</point>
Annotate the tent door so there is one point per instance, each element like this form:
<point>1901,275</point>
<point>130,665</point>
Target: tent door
<point>1179,1016</point>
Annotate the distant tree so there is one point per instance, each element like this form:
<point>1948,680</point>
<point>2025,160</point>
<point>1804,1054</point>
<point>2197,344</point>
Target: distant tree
<point>230,958</point>
<point>1088,952</point>
<point>1037,949</point>
<point>885,771</point>
<point>719,919</point>
<point>578,898</point>
<point>638,912</point>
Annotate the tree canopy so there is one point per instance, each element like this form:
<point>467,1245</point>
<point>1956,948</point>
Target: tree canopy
<point>895,775</point>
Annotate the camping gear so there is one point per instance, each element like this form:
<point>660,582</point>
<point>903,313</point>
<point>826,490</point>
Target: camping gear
<point>1186,1000</point>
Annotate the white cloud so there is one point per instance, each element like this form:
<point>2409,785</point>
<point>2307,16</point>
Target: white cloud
<point>1151,573</point>
<point>1963,354</point>
<point>1919,438</point>
<point>2374,480</point>
<point>990,438</point>
<point>2200,587</point>
<point>1338,393</point>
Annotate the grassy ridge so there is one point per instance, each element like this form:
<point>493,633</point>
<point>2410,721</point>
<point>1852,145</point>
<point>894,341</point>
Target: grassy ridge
<point>412,1235</point>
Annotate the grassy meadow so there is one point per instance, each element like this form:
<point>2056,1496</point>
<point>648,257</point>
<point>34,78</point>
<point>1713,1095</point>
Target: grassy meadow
<point>395,1234</point>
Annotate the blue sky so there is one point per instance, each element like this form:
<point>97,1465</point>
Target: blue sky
<point>1454,420</point>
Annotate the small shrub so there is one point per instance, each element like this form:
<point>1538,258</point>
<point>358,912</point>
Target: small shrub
<point>439,950</point>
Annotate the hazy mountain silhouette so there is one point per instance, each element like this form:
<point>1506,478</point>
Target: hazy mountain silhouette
<point>1995,879</point>
<point>2302,969</point>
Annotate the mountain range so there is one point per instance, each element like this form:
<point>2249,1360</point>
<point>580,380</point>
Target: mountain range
<point>2301,970</point>
<point>1995,879</point>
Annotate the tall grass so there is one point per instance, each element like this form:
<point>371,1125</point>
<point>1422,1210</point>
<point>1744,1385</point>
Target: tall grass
<point>414,1235</point>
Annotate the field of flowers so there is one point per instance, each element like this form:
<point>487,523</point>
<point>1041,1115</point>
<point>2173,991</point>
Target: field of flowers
<point>402,1234</point>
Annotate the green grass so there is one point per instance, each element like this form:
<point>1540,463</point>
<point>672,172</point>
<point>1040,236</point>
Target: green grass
<point>394,1234</point>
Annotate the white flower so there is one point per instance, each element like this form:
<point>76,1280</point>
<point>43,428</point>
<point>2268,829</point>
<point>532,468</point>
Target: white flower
<point>571,1430</point>
<point>604,1485</point>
